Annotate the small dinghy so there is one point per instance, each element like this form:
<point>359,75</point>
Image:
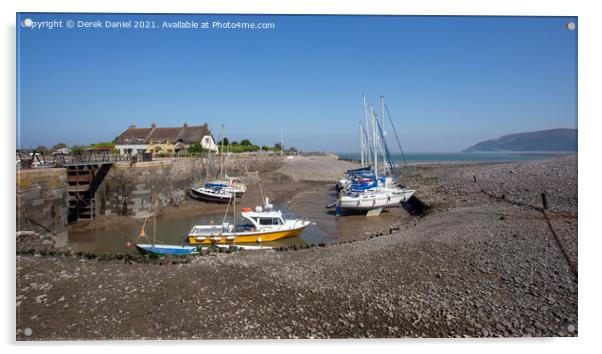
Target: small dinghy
<point>155,249</point>
<point>162,250</point>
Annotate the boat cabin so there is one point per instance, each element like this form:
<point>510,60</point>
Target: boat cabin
<point>262,219</point>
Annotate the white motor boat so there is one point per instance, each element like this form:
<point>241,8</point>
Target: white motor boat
<point>260,225</point>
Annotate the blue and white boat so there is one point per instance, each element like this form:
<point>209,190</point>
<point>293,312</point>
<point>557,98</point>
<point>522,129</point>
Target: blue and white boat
<point>212,192</point>
<point>162,250</point>
<point>159,249</point>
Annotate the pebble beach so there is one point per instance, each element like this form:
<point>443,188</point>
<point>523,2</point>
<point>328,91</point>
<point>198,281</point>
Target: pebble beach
<point>495,255</point>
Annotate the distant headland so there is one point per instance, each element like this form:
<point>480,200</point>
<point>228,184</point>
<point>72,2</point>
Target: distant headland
<point>542,140</point>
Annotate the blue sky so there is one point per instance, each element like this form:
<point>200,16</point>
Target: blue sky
<point>449,82</point>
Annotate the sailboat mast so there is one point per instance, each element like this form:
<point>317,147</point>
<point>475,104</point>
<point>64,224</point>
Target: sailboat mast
<point>375,141</point>
<point>222,171</point>
<point>222,142</point>
<point>154,218</point>
<point>383,132</point>
<point>207,165</point>
<point>234,213</point>
<point>367,143</point>
<point>362,147</point>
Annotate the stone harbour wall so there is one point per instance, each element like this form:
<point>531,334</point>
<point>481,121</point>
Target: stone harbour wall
<point>127,188</point>
<point>42,204</point>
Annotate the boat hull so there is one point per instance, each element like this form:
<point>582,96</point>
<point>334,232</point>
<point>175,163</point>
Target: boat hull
<point>251,237</point>
<point>374,202</point>
<point>163,250</point>
<point>209,197</point>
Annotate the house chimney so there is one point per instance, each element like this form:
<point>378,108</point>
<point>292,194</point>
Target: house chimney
<point>154,125</point>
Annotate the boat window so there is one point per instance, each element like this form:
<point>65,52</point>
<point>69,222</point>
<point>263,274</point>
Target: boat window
<point>269,221</point>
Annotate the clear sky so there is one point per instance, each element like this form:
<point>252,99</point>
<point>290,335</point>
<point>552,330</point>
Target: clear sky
<point>449,82</point>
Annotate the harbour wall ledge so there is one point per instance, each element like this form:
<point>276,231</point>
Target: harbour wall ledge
<point>42,202</point>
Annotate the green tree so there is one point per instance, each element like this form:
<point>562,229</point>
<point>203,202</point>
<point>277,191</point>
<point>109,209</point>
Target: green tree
<point>265,148</point>
<point>277,147</point>
<point>226,141</point>
<point>77,149</point>
<point>42,149</point>
<point>234,143</point>
<point>195,148</point>
<point>102,145</point>
<point>59,146</point>
<point>246,142</point>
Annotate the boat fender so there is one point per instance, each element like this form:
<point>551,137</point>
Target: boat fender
<point>259,239</point>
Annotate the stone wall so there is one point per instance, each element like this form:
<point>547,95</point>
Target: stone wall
<point>127,189</point>
<point>42,204</point>
<point>42,198</point>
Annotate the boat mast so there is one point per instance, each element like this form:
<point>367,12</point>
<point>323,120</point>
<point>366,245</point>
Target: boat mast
<point>362,147</point>
<point>233,212</point>
<point>208,162</point>
<point>222,134</point>
<point>367,143</point>
<point>375,142</point>
<point>383,133</point>
<point>221,167</point>
<point>154,217</point>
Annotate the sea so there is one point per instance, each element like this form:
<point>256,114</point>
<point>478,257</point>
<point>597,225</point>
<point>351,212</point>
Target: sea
<point>459,157</point>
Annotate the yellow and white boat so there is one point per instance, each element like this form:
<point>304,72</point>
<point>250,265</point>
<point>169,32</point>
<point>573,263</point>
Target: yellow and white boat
<point>260,225</point>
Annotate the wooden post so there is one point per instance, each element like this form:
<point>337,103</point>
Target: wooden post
<point>544,200</point>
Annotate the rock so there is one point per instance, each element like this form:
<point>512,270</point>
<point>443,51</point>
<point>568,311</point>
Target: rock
<point>571,328</point>
<point>539,326</point>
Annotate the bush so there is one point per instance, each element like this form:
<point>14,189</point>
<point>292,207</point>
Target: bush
<point>195,148</point>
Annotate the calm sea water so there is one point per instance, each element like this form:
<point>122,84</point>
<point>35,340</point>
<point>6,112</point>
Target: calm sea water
<point>414,158</point>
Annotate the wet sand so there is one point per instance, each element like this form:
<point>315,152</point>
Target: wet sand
<point>486,261</point>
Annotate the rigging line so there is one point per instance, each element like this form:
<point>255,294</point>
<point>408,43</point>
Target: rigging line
<point>396,136</point>
<point>403,156</point>
<point>387,152</point>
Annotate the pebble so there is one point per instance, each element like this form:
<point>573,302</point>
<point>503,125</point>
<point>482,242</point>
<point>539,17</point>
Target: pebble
<point>571,328</point>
